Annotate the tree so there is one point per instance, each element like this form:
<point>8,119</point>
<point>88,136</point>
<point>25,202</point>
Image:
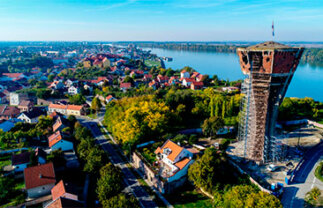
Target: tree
<point>95,160</point>
<point>51,77</point>
<point>262,199</point>
<point>77,99</point>
<point>210,169</point>
<point>121,200</point>
<point>312,196</point>
<point>96,104</point>
<point>109,183</point>
<point>212,125</point>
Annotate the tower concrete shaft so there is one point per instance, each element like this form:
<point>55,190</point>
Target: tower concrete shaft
<point>269,68</point>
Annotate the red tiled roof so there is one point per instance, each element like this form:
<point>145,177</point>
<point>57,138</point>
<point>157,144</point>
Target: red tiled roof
<point>189,80</point>
<point>62,188</point>
<point>12,75</point>
<point>181,164</point>
<point>125,85</point>
<point>58,190</point>
<point>109,97</point>
<point>198,83</point>
<point>74,107</point>
<point>39,175</point>
<point>175,149</point>
<point>54,138</point>
<point>58,106</point>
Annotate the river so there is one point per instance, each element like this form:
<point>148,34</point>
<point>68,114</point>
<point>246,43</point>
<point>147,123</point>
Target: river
<point>307,80</point>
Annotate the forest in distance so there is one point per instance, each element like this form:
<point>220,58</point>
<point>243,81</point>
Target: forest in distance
<point>312,55</point>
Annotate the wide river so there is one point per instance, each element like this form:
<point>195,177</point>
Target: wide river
<point>307,81</point>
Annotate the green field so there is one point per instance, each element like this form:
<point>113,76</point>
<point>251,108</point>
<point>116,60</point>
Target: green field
<point>151,63</point>
<point>188,197</point>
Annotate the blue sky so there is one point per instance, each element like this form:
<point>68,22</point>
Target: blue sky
<point>161,20</point>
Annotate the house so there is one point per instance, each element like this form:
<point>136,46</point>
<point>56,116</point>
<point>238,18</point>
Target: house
<point>8,112</point>
<point>25,105</point>
<point>230,89</point>
<point>106,62</point>
<point>39,180</point>
<point>16,98</point>
<point>32,116</point>
<point>173,161</point>
<point>185,74</point>
<point>13,76</point>
<point>40,155</point>
<point>196,85</point>
<point>62,202</point>
<point>75,110</point>
<point>173,80</point>
<point>170,170</point>
<point>109,98</point>
<point>72,90</point>
<point>20,161</point>
<point>8,124</point>
<point>58,108</point>
<point>56,85</point>
<point>60,124</point>
<point>57,142</point>
<point>187,82</point>
<point>70,82</point>
<point>65,190</point>
<point>125,86</point>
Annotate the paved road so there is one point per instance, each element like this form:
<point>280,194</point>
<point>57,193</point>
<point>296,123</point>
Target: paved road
<point>130,180</point>
<point>304,179</point>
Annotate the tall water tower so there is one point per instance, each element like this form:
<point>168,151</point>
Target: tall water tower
<point>269,68</point>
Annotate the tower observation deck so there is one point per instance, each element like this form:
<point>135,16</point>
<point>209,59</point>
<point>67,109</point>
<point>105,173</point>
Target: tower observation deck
<point>269,68</point>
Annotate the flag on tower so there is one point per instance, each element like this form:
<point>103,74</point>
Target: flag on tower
<point>273,31</point>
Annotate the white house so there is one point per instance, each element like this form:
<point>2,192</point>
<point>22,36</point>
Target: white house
<point>109,98</point>
<point>21,161</point>
<point>187,82</point>
<point>185,74</point>
<point>39,180</point>
<point>31,116</point>
<point>73,90</point>
<point>174,161</point>
<point>57,142</point>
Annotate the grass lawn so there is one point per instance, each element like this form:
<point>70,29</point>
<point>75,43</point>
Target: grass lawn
<point>93,116</point>
<point>151,63</point>
<point>188,197</point>
<point>5,160</point>
<point>319,171</point>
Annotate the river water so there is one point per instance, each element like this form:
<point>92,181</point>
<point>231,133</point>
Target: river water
<point>307,80</point>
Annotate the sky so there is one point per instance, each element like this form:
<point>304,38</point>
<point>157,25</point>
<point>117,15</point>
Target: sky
<point>160,20</point>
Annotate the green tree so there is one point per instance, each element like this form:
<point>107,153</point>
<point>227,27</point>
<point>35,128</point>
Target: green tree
<point>96,104</point>
<point>109,183</point>
<point>210,169</point>
<point>121,200</point>
<point>77,99</point>
<point>262,199</point>
<point>95,160</point>
<point>212,125</point>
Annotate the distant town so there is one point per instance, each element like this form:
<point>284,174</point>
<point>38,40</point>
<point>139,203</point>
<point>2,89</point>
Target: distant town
<point>86,124</point>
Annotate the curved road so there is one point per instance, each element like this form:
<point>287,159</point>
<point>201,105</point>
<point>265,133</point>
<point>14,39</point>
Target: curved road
<point>304,179</point>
